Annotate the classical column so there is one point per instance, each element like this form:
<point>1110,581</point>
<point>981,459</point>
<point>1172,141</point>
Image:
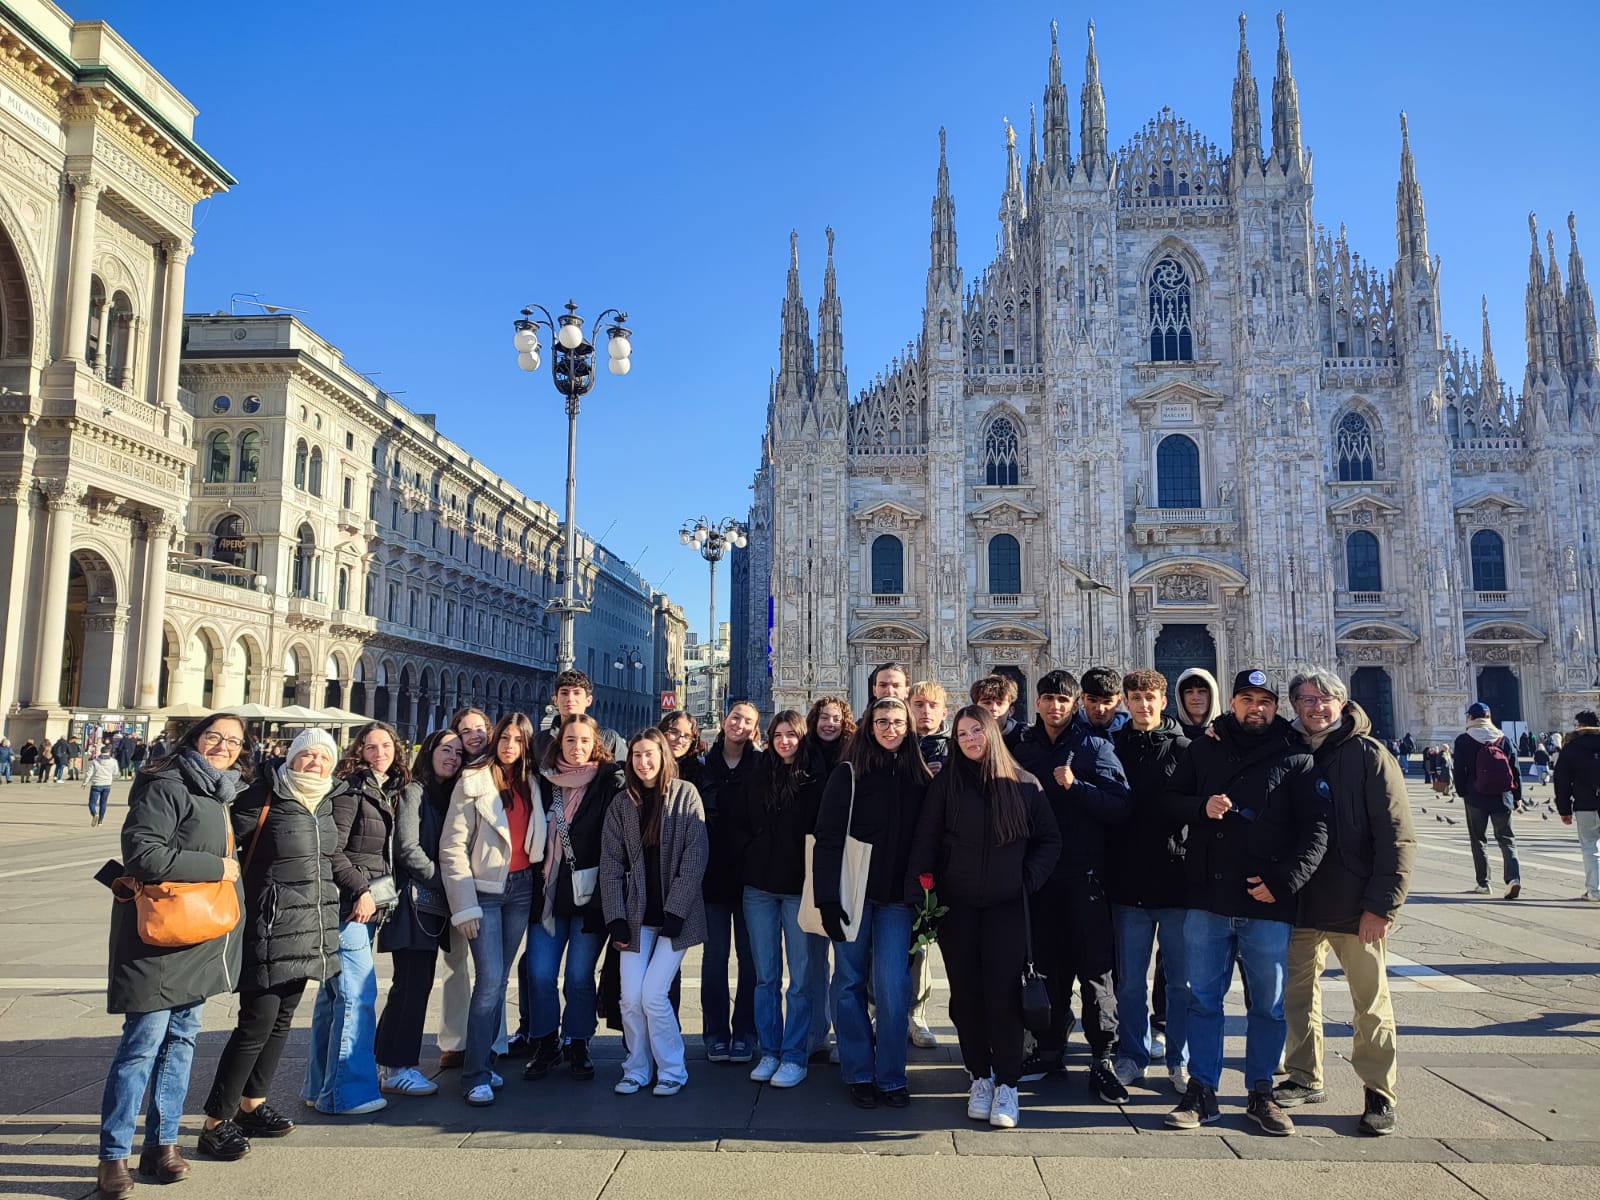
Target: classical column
<point>62,498</point>
<point>172,321</point>
<point>159,527</point>
<point>86,191</point>
<point>16,529</point>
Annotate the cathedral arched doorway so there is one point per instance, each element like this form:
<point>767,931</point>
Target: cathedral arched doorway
<point>89,649</point>
<point>1373,690</point>
<point>1499,688</point>
<point>1179,647</point>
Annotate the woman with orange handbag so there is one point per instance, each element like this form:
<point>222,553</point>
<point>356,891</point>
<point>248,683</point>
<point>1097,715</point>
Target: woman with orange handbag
<point>175,842</point>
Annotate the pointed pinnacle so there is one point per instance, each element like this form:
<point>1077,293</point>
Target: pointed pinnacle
<point>941,143</point>
<point>1572,229</point>
<point>1533,231</point>
<point>1052,32</point>
<point>829,232</point>
<point>794,248</point>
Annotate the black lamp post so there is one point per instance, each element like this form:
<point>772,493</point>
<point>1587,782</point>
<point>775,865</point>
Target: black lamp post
<point>713,540</point>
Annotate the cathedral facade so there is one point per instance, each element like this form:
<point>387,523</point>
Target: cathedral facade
<point>1177,423</point>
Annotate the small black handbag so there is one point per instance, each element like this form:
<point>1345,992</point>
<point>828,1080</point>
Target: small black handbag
<point>1035,999</point>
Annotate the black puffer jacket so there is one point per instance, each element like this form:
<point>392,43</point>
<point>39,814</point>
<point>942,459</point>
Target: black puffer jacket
<point>771,842</point>
<point>955,842</point>
<point>291,903</point>
<point>1577,772</point>
<point>1277,829</point>
<point>1144,856</point>
<point>887,805</point>
<point>586,831</point>
<point>722,790</point>
<point>364,815</point>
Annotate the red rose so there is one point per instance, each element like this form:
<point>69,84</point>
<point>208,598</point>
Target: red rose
<point>926,880</point>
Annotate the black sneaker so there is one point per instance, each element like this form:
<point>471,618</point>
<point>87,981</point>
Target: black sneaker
<point>225,1141</point>
<point>578,1060</point>
<point>265,1122</point>
<point>546,1054</point>
<point>1378,1119</point>
<point>1264,1111</point>
<point>1103,1082</point>
<point>1039,1064</point>
<point>1290,1094</point>
<point>519,1045</point>
<point>896,1097</point>
<point>863,1095</point>
<point>1198,1107</point>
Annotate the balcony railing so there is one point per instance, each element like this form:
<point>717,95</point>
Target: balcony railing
<point>1365,599</point>
<point>886,600</point>
<point>1491,599</point>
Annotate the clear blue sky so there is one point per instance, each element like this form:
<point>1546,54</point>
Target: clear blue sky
<point>413,173</point>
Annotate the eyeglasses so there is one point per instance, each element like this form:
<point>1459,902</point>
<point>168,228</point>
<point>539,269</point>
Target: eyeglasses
<point>676,735</point>
<point>888,724</point>
<point>212,740</point>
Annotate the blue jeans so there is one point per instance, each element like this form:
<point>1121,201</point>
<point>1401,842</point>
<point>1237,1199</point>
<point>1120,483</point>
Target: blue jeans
<point>1262,948</point>
<point>881,951</point>
<point>97,801</point>
<point>156,1052</point>
<point>500,930</point>
<point>1137,931</point>
<point>576,1018</point>
<point>783,1025</point>
<point>726,931</point>
<point>342,1071</point>
<point>818,975</point>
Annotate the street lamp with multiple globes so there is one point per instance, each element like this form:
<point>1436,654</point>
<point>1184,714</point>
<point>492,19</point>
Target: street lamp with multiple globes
<point>572,370</point>
<point>713,541</point>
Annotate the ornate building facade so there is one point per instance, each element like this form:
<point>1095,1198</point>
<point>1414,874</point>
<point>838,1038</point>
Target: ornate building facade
<point>1175,422</point>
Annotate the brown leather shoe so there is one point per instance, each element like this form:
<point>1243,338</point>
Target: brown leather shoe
<point>113,1180</point>
<point>164,1162</point>
<point>451,1058</point>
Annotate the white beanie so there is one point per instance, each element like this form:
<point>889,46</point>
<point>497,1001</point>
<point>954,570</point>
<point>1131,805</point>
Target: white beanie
<point>313,739</point>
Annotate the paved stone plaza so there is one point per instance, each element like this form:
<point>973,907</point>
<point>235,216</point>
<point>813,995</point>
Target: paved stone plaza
<point>1500,1083</point>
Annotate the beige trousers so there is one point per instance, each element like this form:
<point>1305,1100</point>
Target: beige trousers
<point>1366,971</point>
<point>456,989</point>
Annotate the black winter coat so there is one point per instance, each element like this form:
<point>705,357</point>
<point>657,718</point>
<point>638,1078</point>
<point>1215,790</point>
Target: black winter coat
<point>291,903</point>
<point>586,831</point>
<point>1144,856</point>
<point>418,822</point>
<point>1577,772</point>
<point>1277,829</point>
<point>955,841</point>
<point>1096,801</point>
<point>771,843</point>
<point>722,790</point>
<point>170,835</point>
<point>364,815</point>
<point>887,806</point>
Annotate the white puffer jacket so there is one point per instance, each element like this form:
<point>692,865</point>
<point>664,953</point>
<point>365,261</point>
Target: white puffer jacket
<point>475,844</point>
<point>100,772</point>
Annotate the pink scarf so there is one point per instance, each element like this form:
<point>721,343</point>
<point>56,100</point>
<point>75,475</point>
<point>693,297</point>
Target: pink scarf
<point>572,782</point>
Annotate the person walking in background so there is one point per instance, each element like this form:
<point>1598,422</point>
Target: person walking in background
<point>874,796</point>
<point>102,773</point>
<point>986,836</point>
<point>5,759</point>
<point>284,825</point>
<point>472,726</point>
<point>28,759</point>
<point>60,757</point>
<point>1350,903</point>
<point>45,760</point>
<point>1484,764</point>
<point>653,854</point>
<point>1577,787</point>
<point>176,831</point>
<point>420,927</point>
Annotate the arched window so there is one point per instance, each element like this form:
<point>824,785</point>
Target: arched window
<point>315,478</point>
<point>344,587</point>
<point>1178,473</point>
<point>94,337</point>
<point>305,552</point>
<point>219,457</point>
<point>250,457</point>
<point>1171,331</point>
<point>1488,562</point>
<point>888,566</point>
<point>1362,569</point>
<point>1000,453</point>
<point>119,341</point>
<point>1005,565</point>
<point>301,456</point>
<point>1353,449</point>
<point>227,541</point>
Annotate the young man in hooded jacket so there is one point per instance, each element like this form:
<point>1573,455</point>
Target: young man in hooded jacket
<point>1488,801</point>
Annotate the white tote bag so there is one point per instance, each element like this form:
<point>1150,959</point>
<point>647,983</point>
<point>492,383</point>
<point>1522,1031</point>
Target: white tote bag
<point>852,878</point>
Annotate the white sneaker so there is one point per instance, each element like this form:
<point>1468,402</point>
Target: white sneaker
<point>361,1110</point>
<point>922,1037</point>
<point>481,1096</point>
<point>666,1088</point>
<point>1004,1113</point>
<point>980,1099</point>
<point>408,1081</point>
<point>1126,1070</point>
<point>788,1075</point>
<point>627,1087</point>
<point>765,1069</point>
<point>1180,1079</point>
<point>496,1080</point>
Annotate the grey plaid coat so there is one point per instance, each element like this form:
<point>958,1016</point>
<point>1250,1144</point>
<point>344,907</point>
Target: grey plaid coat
<point>683,863</point>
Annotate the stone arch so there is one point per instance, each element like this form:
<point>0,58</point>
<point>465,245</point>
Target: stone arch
<point>17,306</point>
<point>1004,411</point>
<point>205,657</point>
<point>1363,408</point>
<point>251,660</point>
<point>89,653</point>
<point>299,669</point>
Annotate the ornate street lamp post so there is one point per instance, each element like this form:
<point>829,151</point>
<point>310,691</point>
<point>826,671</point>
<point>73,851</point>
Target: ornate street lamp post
<point>713,541</point>
<point>572,370</point>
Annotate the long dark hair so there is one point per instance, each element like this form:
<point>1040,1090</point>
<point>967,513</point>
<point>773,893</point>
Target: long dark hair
<point>514,780</point>
<point>422,772</point>
<point>994,776</point>
<point>650,799</point>
<point>865,754</point>
<point>398,775</point>
<point>244,764</point>
<point>784,778</point>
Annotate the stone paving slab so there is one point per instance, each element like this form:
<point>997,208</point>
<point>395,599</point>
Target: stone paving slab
<point>1133,1180</point>
<point>1494,1150</point>
<point>663,1174</point>
<point>1255,1145</point>
<point>1174,1144</point>
<point>1498,1182</point>
<point>1558,1103</point>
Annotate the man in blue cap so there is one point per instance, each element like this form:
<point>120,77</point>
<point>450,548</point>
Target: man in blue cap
<point>1489,784</point>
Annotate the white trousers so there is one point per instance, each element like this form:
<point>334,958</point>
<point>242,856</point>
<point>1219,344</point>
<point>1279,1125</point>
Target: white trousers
<point>648,1022</point>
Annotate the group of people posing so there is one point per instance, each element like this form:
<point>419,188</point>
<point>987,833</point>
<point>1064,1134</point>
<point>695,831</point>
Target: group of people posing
<point>820,848</point>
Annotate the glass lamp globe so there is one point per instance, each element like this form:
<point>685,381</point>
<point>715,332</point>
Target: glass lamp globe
<point>619,347</point>
<point>528,360</point>
<point>571,336</point>
<point>526,340</point>
<point>619,366</point>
